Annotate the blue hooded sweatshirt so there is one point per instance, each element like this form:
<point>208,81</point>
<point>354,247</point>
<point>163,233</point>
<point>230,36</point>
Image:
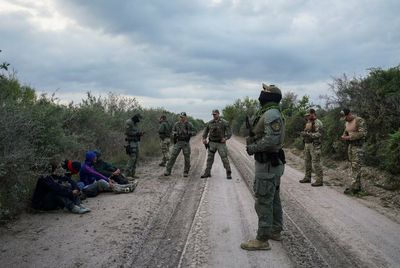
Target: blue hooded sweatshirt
<point>88,174</point>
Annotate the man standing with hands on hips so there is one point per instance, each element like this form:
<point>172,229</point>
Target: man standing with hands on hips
<point>218,132</point>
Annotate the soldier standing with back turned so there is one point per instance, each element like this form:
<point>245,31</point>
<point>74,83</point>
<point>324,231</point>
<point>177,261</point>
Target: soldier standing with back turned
<point>133,135</point>
<point>312,148</point>
<point>218,132</point>
<point>354,134</point>
<point>164,132</point>
<point>182,131</point>
<point>266,146</point>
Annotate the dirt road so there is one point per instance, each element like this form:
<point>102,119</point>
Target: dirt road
<point>192,222</point>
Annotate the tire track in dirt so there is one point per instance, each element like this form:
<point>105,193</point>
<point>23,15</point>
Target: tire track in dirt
<point>166,234</point>
<point>308,244</point>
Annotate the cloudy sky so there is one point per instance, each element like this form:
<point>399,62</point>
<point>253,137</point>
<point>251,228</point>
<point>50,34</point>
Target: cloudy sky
<point>195,55</point>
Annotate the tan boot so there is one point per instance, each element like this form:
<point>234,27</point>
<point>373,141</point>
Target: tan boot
<point>255,245</point>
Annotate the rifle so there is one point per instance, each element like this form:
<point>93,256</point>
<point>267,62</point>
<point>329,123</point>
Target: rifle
<point>248,126</point>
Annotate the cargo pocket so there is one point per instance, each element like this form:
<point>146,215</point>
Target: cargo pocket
<point>264,186</point>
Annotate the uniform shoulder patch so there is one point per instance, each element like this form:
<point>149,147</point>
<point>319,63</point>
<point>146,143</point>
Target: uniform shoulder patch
<point>276,125</point>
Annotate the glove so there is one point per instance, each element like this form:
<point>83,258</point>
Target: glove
<point>250,149</point>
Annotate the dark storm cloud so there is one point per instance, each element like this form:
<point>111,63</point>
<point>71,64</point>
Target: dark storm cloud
<point>198,50</point>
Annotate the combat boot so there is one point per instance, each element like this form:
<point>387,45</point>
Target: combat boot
<point>167,173</point>
<point>229,175</point>
<point>255,245</point>
<point>317,184</point>
<point>206,175</point>
<point>351,191</point>
<point>275,236</point>
<point>305,180</point>
<point>185,174</point>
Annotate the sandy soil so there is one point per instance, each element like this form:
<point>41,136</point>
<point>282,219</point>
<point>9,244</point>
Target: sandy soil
<point>192,222</point>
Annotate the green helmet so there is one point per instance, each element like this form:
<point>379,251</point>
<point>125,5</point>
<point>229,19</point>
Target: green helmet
<point>271,89</point>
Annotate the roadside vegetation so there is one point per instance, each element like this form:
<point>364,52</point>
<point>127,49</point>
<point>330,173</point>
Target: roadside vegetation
<point>375,97</point>
<point>35,129</point>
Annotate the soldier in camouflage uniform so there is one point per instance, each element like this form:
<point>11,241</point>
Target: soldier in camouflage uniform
<point>354,134</point>
<point>164,132</point>
<point>181,132</point>
<point>266,146</point>
<point>133,135</point>
<point>218,132</point>
<point>312,148</point>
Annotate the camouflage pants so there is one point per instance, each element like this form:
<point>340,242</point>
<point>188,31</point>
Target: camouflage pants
<point>312,157</point>
<point>268,203</point>
<point>164,144</point>
<point>176,149</point>
<point>223,153</point>
<point>355,154</point>
<point>133,158</point>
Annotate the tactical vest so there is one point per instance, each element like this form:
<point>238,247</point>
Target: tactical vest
<point>216,130</point>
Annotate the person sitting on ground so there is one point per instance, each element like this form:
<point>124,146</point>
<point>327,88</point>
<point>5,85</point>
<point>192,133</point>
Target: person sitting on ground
<point>92,182</point>
<point>72,167</point>
<point>112,172</point>
<point>57,191</point>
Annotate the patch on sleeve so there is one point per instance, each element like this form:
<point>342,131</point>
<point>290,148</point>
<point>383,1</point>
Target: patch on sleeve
<point>276,125</point>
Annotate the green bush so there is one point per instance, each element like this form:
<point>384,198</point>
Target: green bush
<point>392,153</point>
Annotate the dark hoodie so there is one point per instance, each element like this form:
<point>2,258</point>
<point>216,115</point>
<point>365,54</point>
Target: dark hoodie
<point>52,184</point>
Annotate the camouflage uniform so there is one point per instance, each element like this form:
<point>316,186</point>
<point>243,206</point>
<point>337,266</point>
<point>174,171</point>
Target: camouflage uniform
<point>216,130</point>
<point>266,145</point>
<point>133,136</point>
<point>181,133</point>
<point>312,150</point>
<point>164,132</point>
<point>357,131</point>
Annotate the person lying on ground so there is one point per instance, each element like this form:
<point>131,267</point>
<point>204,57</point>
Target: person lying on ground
<point>56,191</point>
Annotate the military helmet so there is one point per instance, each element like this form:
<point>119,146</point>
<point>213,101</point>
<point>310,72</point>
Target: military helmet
<point>271,89</point>
<point>182,114</point>
<point>270,93</point>
<point>215,111</point>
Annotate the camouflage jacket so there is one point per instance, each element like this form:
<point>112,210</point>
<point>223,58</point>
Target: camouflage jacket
<point>132,131</point>
<point>313,131</point>
<point>164,130</point>
<point>183,131</point>
<point>216,130</point>
<point>269,131</point>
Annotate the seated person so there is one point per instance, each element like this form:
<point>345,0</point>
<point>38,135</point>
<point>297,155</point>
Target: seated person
<point>72,167</point>
<point>109,170</point>
<point>92,182</point>
<point>57,191</point>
